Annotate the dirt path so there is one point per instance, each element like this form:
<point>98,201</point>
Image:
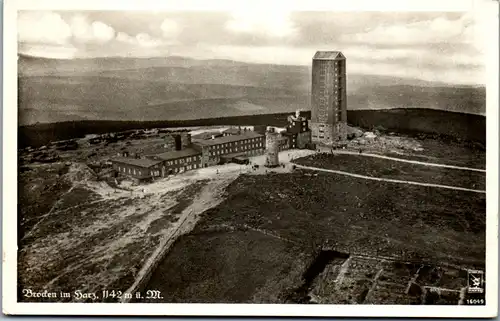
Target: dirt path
<point>409,161</point>
<point>210,196</point>
<point>389,180</point>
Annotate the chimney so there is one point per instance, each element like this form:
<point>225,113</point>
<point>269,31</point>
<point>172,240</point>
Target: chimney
<point>213,136</point>
<point>297,113</point>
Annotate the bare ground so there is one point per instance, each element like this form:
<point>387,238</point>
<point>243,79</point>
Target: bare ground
<point>95,237</point>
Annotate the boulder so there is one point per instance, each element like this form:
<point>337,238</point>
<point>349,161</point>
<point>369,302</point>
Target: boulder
<point>370,135</point>
<point>354,132</point>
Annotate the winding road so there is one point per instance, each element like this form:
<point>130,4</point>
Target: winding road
<point>388,179</point>
<point>410,161</point>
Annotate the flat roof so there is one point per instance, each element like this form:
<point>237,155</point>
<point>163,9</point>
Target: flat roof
<point>177,154</point>
<point>140,162</point>
<point>228,139</point>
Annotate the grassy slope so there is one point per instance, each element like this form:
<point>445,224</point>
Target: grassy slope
<point>397,170</point>
<point>343,210</point>
<point>353,216</point>
<point>454,153</point>
<point>228,267</point>
<point>38,192</point>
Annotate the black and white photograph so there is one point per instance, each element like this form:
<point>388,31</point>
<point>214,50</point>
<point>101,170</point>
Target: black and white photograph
<point>252,157</point>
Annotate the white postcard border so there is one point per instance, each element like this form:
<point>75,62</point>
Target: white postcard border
<point>9,200</point>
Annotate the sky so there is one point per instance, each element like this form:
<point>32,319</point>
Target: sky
<point>436,46</point>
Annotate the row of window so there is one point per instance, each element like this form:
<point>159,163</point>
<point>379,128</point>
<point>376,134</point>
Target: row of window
<point>323,71</point>
<point>183,160</point>
<point>231,144</point>
<point>186,168</point>
<point>131,171</point>
<point>235,149</point>
<point>216,158</point>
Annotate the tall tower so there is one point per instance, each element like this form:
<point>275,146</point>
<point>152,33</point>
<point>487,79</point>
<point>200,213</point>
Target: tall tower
<point>272,148</point>
<point>329,97</point>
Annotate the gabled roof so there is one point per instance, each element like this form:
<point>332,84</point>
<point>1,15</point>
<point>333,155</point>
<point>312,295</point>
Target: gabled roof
<point>328,55</point>
<point>176,154</point>
<point>139,162</point>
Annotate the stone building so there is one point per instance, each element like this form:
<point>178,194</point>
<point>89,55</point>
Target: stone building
<point>248,143</point>
<point>137,169</point>
<point>178,161</point>
<point>272,148</point>
<point>328,97</point>
<point>298,131</point>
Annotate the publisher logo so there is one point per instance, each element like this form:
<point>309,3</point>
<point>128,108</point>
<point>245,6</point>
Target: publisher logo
<point>475,281</point>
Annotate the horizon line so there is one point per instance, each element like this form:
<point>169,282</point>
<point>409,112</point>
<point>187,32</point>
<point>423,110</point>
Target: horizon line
<point>25,55</point>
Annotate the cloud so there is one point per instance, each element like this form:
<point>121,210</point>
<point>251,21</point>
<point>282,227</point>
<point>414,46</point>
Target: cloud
<point>421,32</point>
<point>42,27</point>
<point>170,28</point>
<point>49,50</point>
<point>480,21</point>
<point>141,40</point>
<point>417,56</point>
<point>269,20</point>
<point>125,38</point>
<point>471,28</point>
<point>85,31</point>
<point>145,40</point>
<point>50,28</point>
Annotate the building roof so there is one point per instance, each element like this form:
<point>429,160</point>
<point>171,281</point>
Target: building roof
<point>140,162</point>
<point>233,130</point>
<point>176,154</point>
<point>229,139</point>
<point>328,55</point>
<point>207,135</point>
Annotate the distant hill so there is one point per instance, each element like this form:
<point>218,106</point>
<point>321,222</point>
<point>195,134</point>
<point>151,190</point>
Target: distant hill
<point>176,88</point>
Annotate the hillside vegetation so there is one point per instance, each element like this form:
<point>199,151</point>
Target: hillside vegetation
<point>459,126</point>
